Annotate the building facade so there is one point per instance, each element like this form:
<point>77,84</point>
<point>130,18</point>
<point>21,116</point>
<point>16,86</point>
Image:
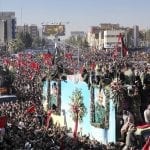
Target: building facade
<point>78,34</point>
<point>109,26</point>
<point>105,36</point>
<point>7,27</point>
<point>32,30</point>
<point>111,38</point>
<point>93,36</point>
<point>24,29</point>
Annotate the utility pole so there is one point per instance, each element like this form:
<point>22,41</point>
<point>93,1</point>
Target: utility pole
<point>55,64</point>
<point>49,89</point>
<point>57,55</point>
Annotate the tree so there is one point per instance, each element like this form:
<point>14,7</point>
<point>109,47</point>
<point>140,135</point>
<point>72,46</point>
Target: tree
<point>15,46</point>
<point>85,43</point>
<point>78,41</point>
<point>148,35</point>
<point>37,42</point>
<point>43,42</point>
<point>26,39</point>
<point>77,109</point>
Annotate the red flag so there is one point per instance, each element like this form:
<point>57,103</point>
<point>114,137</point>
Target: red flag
<point>6,61</point>
<point>124,50</point>
<point>3,121</point>
<point>93,65</point>
<point>23,63</point>
<point>47,56</point>
<point>76,127</point>
<point>144,126</point>
<point>115,53</point>
<point>30,109</point>
<point>68,55</point>
<point>34,65</point>
<point>147,145</point>
<point>31,77</point>
<point>48,118</point>
<point>48,62</point>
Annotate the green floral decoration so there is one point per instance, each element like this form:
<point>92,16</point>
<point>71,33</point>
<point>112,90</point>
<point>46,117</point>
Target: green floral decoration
<point>77,106</point>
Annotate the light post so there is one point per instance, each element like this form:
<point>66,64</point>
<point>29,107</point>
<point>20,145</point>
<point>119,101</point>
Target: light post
<point>49,89</point>
<point>54,69</point>
<point>78,56</point>
<point>54,63</point>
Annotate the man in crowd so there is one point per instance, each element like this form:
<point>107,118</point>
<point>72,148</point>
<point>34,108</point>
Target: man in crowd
<point>147,114</point>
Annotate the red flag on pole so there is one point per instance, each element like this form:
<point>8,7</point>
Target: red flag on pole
<point>47,56</point>
<point>34,66</point>
<point>124,48</point>
<point>48,118</point>
<point>3,121</point>
<point>6,61</point>
<point>68,56</point>
<point>76,127</point>
<point>30,109</point>
<point>115,53</point>
<point>147,145</point>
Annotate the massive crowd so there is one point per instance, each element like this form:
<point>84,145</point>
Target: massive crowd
<point>27,129</point>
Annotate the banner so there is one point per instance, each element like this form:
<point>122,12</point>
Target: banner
<point>53,30</point>
<point>100,109</point>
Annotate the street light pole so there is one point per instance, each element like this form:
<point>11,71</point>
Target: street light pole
<point>49,104</point>
<point>78,56</point>
<point>59,78</point>
<point>49,90</point>
<point>59,96</point>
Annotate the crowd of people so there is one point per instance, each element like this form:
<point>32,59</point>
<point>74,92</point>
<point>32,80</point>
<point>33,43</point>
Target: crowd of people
<point>129,77</point>
<point>26,126</point>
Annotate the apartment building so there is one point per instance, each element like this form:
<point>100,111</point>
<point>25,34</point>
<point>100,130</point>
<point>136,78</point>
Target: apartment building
<point>7,27</point>
<point>104,35</point>
<point>111,38</point>
<point>32,29</point>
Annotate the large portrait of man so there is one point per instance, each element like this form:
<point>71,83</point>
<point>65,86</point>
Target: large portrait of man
<point>101,109</point>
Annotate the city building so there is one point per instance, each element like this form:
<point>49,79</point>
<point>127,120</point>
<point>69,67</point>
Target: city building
<point>109,26</point>
<point>93,36</point>
<point>78,34</point>
<point>33,30</point>
<point>24,28</point>
<point>104,35</point>
<point>111,38</point>
<point>7,27</point>
<point>101,40</point>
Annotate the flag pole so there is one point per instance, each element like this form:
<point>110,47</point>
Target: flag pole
<point>121,37</point>
<point>78,56</point>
